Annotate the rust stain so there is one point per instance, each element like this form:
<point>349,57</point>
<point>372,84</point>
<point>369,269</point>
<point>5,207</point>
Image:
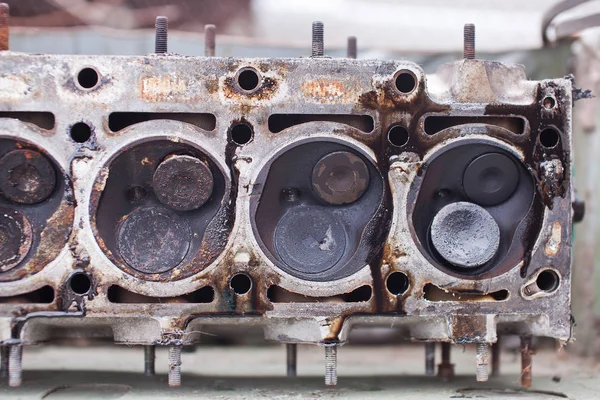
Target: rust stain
<point>164,88</point>
<point>3,38</point>
<point>328,91</point>
<point>553,244</point>
<point>267,89</point>
<point>212,86</point>
<point>468,328</point>
<point>52,240</point>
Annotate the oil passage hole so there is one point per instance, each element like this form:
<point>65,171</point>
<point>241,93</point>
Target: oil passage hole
<point>397,283</point>
<point>80,283</point>
<point>241,283</point>
<point>548,103</point>
<point>549,138</point>
<point>398,135</point>
<point>547,280</point>
<point>405,82</point>
<point>87,78</point>
<point>81,132</point>
<point>248,79</point>
<point>241,134</point>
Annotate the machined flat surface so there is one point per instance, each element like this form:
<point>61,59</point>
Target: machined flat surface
<point>234,372</point>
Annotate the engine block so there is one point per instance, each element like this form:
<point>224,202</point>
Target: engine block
<point>145,197</point>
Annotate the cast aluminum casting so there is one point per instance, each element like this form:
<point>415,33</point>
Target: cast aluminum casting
<point>293,194</point>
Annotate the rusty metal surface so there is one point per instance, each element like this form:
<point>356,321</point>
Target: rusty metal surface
<point>225,243</point>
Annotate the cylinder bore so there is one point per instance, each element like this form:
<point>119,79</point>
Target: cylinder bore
<point>490,179</point>
<point>340,178</point>
<point>26,176</point>
<point>164,211</point>
<point>15,238</point>
<point>465,234</point>
<point>153,240</point>
<point>314,221</point>
<point>182,182</point>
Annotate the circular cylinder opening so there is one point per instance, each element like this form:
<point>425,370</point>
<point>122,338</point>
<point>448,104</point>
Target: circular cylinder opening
<point>405,82</point>
<point>81,132</point>
<point>88,78</point>
<point>547,280</point>
<point>397,283</point>
<point>248,79</point>
<point>241,283</point>
<point>398,135</point>
<point>241,134</point>
<point>549,138</point>
<point>80,283</point>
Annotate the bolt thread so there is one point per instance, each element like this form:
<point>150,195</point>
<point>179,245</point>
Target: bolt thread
<point>317,39</point>
<point>445,353</point>
<point>352,47</point>
<point>15,367</point>
<point>4,32</point>
<point>149,358</point>
<point>446,368</point>
<point>292,353</point>
<point>161,35</point>
<point>175,366</point>
<point>209,40</point>
<point>331,365</point>
<point>526,361</point>
<point>430,359</point>
<point>469,41</point>
<point>482,359</point>
<point>3,361</point>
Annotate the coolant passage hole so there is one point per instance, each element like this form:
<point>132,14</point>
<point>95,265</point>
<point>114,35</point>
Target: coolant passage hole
<point>241,283</point>
<point>80,283</point>
<point>549,138</point>
<point>87,78</point>
<point>547,280</point>
<point>81,132</point>
<point>548,102</point>
<point>405,82</point>
<point>248,79</point>
<point>397,283</point>
<point>241,134</point>
<point>398,135</point>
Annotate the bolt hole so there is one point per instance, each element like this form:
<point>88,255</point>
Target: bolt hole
<point>136,194</point>
<point>397,283</point>
<point>241,283</point>
<point>548,103</point>
<point>241,134</point>
<point>80,283</point>
<point>290,195</point>
<point>87,78</point>
<point>547,281</point>
<point>81,132</point>
<point>398,135</point>
<point>248,79</point>
<point>549,138</point>
<point>405,82</point>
